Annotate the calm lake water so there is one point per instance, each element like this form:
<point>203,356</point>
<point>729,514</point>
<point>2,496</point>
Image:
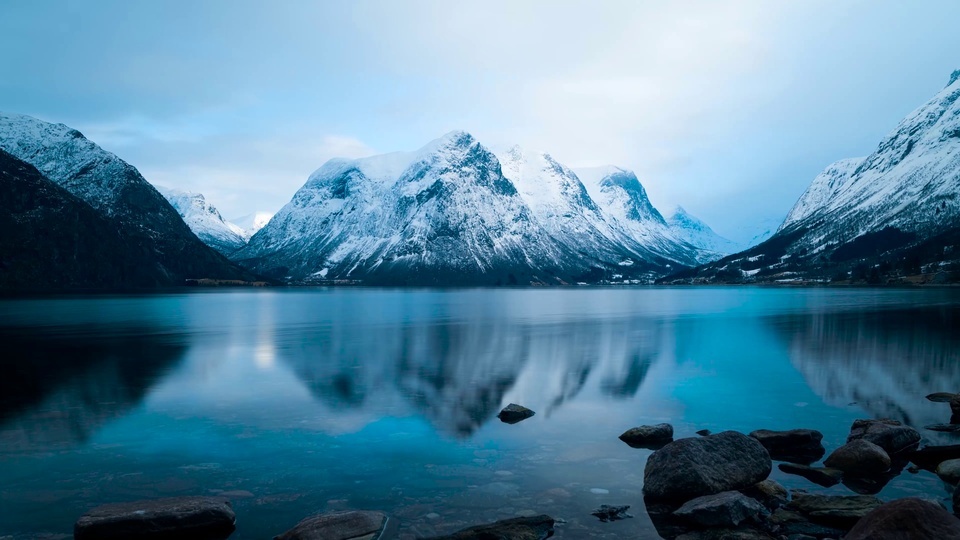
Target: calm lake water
<point>291,402</point>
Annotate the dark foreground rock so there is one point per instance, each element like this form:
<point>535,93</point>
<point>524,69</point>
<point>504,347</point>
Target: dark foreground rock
<point>941,397</point>
<point>690,468</point>
<point>726,509</point>
<point>837,511</point>
<point>177,517</point>
<point>859,457</point>
<point>524,528</point>
<point>769,493</point>
<point>648,436</point>
<point>890,435</point>
<point>822,476</point>
<point>611,513</point>
<point>929,457</point>
<point>915,519</point>
<point>725,534</point>
<point>949,471</point>
<point>513,413</point>
<point>795,445</point>
<point>339,526</point>
<point>795,525</point>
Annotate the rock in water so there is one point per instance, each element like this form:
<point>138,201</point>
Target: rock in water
<point>941,397</point>
<point>523,528</point>
<point>339,526</point>
<point>769,493</point>
<point>513,413</point>
<point>647,436</point>
<point>859,457</point>
<point>703,432</point>
<point>949,471</point>
<point>929,457</point>
<point>944,428</point>
<point>611,513</point>
<point>690,468</point>
<point>890,435</point>
<point>822,476</point>
<point>838,511</point>
<point>726,509</point>
<point>177,517</point>
<point>795,445</point>
<point>912,518</point>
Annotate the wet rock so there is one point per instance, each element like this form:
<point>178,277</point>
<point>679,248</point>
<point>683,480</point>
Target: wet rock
<point>956,500</point>
<point>726,509</point>
<point>703,432</point>
<point>955,405</point>
<point>949,471</point>
<point>929,457</point>
<point>513,413</point>
<point>790,523</point>
<point>177,517</point>
<point>522,528</point>
<point>837,511</point>
<point>795,445</point>
<point>690,468</point>
<point>941,397</point>
<point>859,457</point>
<point>725,534</point>
<point>912,518</point>
<point>868,485</point>
<point>943,428</point>
<point>890,435</point>
<point>647,436</point>
<point>769,493</point>
<point>822,476</point>
<point>340,526</point>
<point>611,513</point>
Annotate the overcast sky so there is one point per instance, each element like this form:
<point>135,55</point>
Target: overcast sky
<point>728,108</point>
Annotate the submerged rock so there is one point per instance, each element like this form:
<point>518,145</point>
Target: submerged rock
<point>513,413</point>
<point>522,528</point>
<point>911,518</point>
<point>859,457</point>
<point>339,526</point>
<point>822,476</point>
<point>941,397</point>
<point>890,435</point>
<point>611,513</point>
<point>837,511</point>
<point>176,517</point>
<point>949,471</point>
<point>726,509</point>
<point>648,436</point>
<point>690,468</point>
<point>795,445</point>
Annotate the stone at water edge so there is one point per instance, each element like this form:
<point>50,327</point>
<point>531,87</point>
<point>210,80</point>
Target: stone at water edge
<point>726,534</point>
<point>911,518</point>
<point>955,405</point>
<point>956,500</point>
<point>859,457</point>
<point>175,517</point>
<point>344,525</point>
<point>796,445</point>
<point>890,435</point>
<point>822,476</point>
<point>656,435</point>
<point>941,397</point>
<point>513,413</point>
<point>769,493</point>
<point>837,511</point>
<point>523,528</point>
<point>703,432</point>
<point>726,509</point>
<point>689,468</point>
<point>929,457</point>
<point>611,513</point>
<point>943,428</point>
<point>949,471</point>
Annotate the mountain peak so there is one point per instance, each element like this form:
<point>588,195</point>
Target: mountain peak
<point>680,211</point>
<point>954,77</point>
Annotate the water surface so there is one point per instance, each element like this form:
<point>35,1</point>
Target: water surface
<point>291,402</point>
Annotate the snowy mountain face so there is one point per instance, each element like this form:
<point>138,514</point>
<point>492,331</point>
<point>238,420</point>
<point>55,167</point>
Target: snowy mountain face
<point>250,224</point>
<point>698,234</point>
<point>205,221</point>
<point>115,189</point>
<point>449,213</point>
<point>895,211</point>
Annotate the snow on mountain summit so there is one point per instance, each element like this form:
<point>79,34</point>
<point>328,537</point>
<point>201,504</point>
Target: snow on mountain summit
<point>205,220</point>
<point>697,233</point>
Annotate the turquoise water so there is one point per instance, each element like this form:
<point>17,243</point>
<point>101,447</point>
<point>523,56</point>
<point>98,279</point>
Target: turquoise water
<point>291,402</point>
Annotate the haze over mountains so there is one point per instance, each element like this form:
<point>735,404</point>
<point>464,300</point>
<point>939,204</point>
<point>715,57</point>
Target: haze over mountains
<point>458,213</point>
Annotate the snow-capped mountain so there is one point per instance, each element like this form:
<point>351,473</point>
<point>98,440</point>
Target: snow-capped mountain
<point>895,211</point>
<point>115,189</point>
<point>251,223</point>
<point>205,221</point>
<point>446,213</point>
<point>698,234</point>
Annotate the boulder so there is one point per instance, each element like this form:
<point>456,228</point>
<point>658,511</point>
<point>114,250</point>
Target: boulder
<point>955,405</point>
<point>522,528</point>
<point>929,457</point>
<point>943,428</point>
<point>646,436</point>
<point>725,534</point>
<point>769,493</point>
<point>794,524</point>
<point>911,518</point>
<point>513,413</point>
<point>890,435</point>
<point>726,509</point>
<point>941,397</point>
<point>859,457</point>
<point>795,445</point>
<point>611,513</point>
<point>339,526</point>
<point>836,511</point>
<point>949,471</point>
<point>689,468</point>
<point>956,500</point>
<point>703,432</point>
<point>176,517</point>
<point>822,476</point>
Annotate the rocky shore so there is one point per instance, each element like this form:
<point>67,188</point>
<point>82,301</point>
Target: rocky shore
<point>708,487</point>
